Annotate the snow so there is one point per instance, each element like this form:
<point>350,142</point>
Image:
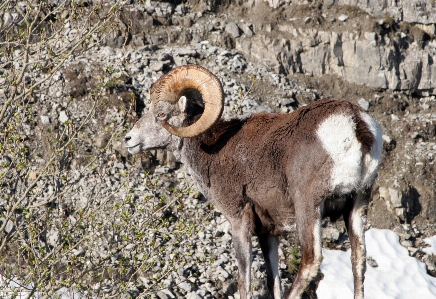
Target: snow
<point>397,276</point>
<point>432,242</point>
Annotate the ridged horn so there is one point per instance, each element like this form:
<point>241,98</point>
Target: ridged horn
<point>171,86</point>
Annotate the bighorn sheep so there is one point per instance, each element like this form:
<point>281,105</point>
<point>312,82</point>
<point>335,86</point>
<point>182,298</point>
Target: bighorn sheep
<point>268,171</point>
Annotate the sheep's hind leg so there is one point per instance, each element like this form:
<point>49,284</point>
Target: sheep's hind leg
<point>270,249</point>
<point>355,223</point>
<point>309,234</point>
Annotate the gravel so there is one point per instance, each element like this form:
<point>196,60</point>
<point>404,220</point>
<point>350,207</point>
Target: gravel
<point>209,270</point>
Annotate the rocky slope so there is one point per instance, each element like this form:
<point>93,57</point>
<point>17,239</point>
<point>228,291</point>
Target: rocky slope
<point>274,56</point>
<point>310,51</point>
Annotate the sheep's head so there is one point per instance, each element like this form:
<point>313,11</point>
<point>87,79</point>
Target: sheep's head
<point>169,108</point>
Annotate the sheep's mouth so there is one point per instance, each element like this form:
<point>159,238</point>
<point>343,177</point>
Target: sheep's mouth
<point>134,149</point>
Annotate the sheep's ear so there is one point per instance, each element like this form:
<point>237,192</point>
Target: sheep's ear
<point>183,104</point>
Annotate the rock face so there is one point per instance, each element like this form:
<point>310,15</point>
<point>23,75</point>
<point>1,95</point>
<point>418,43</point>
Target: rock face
<point>378,43</point>
<point>367,52</point>
<point>353,41</point>
<point>412,11</point>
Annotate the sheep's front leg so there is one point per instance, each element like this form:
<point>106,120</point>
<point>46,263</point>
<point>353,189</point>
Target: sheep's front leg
<point>270,249</point>
<point>241,236</point>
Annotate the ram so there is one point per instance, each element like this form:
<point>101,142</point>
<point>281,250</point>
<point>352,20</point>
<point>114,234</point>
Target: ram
<point>269,171</point>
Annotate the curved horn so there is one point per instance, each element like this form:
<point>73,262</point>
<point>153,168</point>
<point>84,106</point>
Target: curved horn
<point>177,82</point>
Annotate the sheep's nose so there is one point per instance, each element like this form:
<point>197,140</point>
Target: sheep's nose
<point>127,138</point>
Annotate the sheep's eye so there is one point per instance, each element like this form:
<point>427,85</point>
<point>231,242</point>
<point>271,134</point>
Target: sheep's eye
<point>161,115</point>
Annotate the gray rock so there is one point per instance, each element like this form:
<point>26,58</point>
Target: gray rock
<point>168,282</point>
<point>430,263</point>
<point>63,117</point>
<point>162,295</point>
<point>233,29</point>
<point>164,56</point>
<point>222,272</point>
<point>364,104</point>
<point>371,261</point>
<point>9,225</point>
<point>45,120</point>
<point>161,170</point>
<point>77,252</point>
<point>52,237</point>
<point>238,63</point>
<point>401,213</point>
<point>371,36</point>
<point>138,20</point>
<point>396,197</point>
<point>107,51</point>
<point>181,271</point>
<point>230,287</point>
<point>255,265</point>
<point>119,147</point>
<point>180,9</point>
<point>330,233</point>
<point>286,101</point>
<point>200,292</point>
<point>186,52</point>
<point>6,160</point>
<point>180,61</point>
<point>57,76</point>
<point>102,141</point>
<point>393,197</point>
<point>157,66</point>
<point>220,262</point>
<point>168,293</point>
<point>138,40</point>
<point>225,53</point>
<point>277,3</point>
<point>8,19</point>
<point>247,29</point>
<point>343,18</point>
<point>406,243</point>
<point>119,165</point>
<point>185,286</point>
<point>193,295</point>
<point>413,11</point>
<point>394,117</point>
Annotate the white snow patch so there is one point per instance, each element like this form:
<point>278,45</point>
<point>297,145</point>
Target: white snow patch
<point>432,242</point>
<point>397,276</point>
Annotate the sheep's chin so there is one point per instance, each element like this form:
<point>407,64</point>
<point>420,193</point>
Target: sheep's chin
<point>134,149</point>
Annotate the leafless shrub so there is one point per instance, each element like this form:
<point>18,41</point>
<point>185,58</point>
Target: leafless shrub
<point>65,228</point>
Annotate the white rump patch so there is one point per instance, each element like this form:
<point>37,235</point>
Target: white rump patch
<point>372,161</point>
<point>338,136</point>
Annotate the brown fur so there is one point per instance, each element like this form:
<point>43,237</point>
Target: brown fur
<point>234,158</point>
